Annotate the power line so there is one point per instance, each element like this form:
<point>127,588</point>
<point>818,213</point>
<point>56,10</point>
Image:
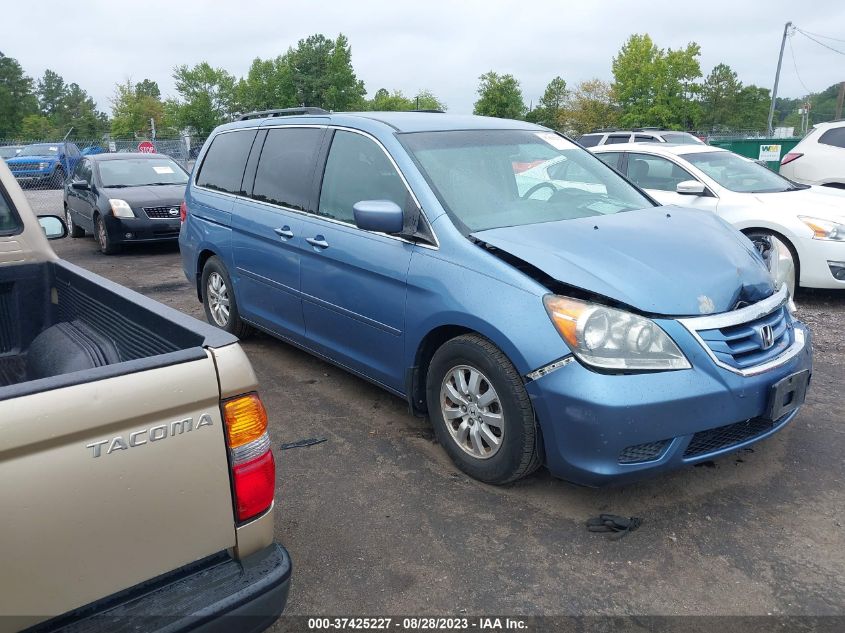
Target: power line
<point>804,33</point>
<point>795,66</point>
<point>824,37</point>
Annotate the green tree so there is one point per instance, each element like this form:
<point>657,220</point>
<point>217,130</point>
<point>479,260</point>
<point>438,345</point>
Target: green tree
<point>51,92</point>
<point>268,85</point>
<point>78,112</point>
<point>384,101</point>
<point>132,108</point>
<point>148,88</point>
<point>17,99</point>
<point>551,111</point>
<point>425,100</point>
<point>591,106</point>
<point>323,75</point>
<point>656,87</point>
<point>752,109</point>
<point>499,96</point>
<point>36,127</point>
<point>719,96</point>
<point>207,97</point>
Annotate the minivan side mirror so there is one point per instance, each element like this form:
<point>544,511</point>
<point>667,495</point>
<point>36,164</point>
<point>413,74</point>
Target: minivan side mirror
<point>384,216</point>
<point>690,188</point>
<point>54,227</point>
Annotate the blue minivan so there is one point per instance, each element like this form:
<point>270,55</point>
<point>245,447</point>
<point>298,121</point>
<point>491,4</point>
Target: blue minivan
<point>538,316</point>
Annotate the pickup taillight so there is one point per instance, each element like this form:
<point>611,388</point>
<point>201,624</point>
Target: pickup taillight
<point>250,455</point>
<point>183,211</point>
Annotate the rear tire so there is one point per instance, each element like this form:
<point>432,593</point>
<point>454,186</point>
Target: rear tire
<point>218,299</point>
<point>72,229</point>
<point>107,246</point>
<point>481,412</point>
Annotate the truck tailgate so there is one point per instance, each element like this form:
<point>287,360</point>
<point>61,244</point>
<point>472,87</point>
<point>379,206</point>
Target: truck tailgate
<point>110,483</point>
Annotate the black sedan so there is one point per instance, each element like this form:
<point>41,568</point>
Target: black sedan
<point>125,199</point>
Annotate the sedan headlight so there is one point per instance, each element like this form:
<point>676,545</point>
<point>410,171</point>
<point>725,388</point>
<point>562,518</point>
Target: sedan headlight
<point>608,338</point>
<point>825,229</point>
<point>121,209</point>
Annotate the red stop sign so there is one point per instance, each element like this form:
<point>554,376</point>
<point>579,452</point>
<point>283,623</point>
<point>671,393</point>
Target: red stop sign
<point>146,147</point>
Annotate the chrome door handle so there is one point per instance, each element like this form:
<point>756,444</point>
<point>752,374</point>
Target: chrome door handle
<point>284,232</point>
<point>318,241</point>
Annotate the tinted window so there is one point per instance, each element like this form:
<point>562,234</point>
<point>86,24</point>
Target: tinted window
<point>286,167</point>
<point>654,172</point>
<point>357,169</point>
<point>682,138</point>
<point>8,219</point>
<point>590,140</point>
<point>610,158</point>
<point>223,166</point>
<point>834,136</point>
<point>641,138</point>
<point>617,138</point>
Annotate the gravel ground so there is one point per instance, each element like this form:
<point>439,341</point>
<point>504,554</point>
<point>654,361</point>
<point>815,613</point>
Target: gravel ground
<point>378,521</point>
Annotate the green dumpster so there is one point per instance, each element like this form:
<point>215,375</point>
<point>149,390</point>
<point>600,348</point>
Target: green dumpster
<point>770,150</point>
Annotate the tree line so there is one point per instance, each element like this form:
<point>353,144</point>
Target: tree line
<point>651,86</point>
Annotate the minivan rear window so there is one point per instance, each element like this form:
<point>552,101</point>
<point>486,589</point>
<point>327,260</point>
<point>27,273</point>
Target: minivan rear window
<point>286,167</point>
<point>223,166</point>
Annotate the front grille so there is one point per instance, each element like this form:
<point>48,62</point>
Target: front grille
<point>726,436</point>
<point>742,346</point>
<point>642,452</point>
<point>169,212</point>
<point>22,166</point>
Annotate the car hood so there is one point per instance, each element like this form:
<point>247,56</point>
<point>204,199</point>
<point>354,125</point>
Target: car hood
<point>151,196</point>
<point>664,261</point>
<point>32,159</point>
<point>825,202</point>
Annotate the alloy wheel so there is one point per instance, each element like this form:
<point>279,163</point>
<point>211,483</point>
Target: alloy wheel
<point>472,411</point>
<point>218,299</point>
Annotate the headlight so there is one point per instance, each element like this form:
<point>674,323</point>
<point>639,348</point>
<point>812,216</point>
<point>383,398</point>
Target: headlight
<point>43,166</point>
<point>121,209</point>
<point>825,229</point>
<point>613,339</point>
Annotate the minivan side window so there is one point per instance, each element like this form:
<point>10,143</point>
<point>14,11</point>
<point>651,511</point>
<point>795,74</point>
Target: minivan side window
<point>222,168</point>
<point>286,167</point>
<point>357,169</point>
<point>590,140</point>
<point>9,222</point>
<point>617,138</point>
<point>834,136</point>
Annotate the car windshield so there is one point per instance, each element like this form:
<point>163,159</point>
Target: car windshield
<point>42,149</point>
<point>681,138</point>
<point>738,174</point>
<point>9,151</point>
<point>493,178</point>
<point>139,172</point>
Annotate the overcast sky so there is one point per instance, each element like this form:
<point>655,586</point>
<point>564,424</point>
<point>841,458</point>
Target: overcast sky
<point>438,45</point>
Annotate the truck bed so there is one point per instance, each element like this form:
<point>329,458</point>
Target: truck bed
<point>86,328</point>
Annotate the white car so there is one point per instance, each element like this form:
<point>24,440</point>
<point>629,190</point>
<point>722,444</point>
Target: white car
<point>803,225</point>
<point>819,159</point>
<point>638,135</point>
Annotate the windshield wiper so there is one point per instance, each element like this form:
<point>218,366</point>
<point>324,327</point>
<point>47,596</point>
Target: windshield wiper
<point>154,184</point>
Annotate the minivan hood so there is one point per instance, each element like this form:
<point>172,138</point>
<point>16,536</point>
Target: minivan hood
<point>663,260</point>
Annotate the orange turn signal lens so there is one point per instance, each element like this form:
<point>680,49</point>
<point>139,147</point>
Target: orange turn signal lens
<point>246,419</point>
<point>564,313</point>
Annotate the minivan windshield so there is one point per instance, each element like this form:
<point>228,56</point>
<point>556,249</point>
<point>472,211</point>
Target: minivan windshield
<point>493,178</point>
<point>739,174</point>
<point>140,172</point>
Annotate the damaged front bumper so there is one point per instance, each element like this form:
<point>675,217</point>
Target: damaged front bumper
<point>601,428</point>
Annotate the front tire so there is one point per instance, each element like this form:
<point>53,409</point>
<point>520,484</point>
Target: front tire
<point>72,229</point>
<point>107,246</point>
<point>218,299</point>
<point>481,412</point>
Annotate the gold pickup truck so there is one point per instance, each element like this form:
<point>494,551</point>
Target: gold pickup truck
<point>136,476</point>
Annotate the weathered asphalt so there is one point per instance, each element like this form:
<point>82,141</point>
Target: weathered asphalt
<point>378,521</point>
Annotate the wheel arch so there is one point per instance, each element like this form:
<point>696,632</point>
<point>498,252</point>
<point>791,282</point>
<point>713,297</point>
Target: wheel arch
<point>204,255</point>
<point>781,235</point>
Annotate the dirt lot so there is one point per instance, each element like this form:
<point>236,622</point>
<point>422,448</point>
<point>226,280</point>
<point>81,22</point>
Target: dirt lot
<point>378,521</point>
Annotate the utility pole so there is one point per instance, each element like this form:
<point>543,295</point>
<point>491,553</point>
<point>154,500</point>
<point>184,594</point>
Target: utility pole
<point>840,100</point>
<point>777,78</point>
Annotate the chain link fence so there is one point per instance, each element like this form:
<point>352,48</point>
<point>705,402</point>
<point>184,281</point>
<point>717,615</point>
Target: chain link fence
<point>42,167</point>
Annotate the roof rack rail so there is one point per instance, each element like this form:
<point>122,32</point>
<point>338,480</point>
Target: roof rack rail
<point>263,114</point>
<point>434,110</point>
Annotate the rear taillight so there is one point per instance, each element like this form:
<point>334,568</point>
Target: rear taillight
<point>183,211</point>
<point>253,468</point>
<point>790,156</point>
